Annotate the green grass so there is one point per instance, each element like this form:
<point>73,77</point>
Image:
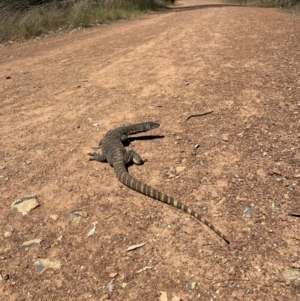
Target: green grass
<point>19,21</point>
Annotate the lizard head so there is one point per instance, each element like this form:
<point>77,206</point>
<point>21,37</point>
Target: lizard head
<point>149,125</point>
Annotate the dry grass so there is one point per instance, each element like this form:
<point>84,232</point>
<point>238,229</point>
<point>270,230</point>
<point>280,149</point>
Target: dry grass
<point>268,3</point>
<point>19,22</point>
<point>289,6</point>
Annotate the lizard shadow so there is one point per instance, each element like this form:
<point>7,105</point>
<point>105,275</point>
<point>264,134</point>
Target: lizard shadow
<point>131,139</point>
<point>146,137</point>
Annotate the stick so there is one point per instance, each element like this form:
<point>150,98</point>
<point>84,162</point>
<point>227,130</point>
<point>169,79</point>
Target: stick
<point>199,115</point>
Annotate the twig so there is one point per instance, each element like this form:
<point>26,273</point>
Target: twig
<point>295,214</point>
<point>144,269</point>
<point>155,105</point>
<point>199,115</point>
<point>108,217</point>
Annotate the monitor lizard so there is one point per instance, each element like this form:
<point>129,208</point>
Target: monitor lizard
<point>114,153</point>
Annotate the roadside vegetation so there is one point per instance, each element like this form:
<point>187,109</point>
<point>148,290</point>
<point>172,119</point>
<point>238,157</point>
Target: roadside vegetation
<point>269,3</point>
<point>22,19</point>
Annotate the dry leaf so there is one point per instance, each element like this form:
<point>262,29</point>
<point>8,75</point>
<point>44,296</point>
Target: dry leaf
<point>110,287</point>
<point>133,247</point>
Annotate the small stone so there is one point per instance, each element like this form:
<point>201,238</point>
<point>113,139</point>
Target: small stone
<point>292,275</point>
<point>60,238</point>
<point>54,217</point>
<point>285,183</point>
<point>113,275</point>
<point>297,175</point>
<point>175,298</point>
<point>123,285</point>
<point>7,234</point>
<point>231,271</point>
<point>75,216</point>
<point>25,204</point>
<point>179,169</point>
<point>276,171</point>
<point>44,264</point>
<point>222,201</point>
<point>191,285</point>
<point>31,243</point>
<point>163,296</point>
<point>225,137</point>
<point>283,217</point>
<point>275,205</point>
<point>248,211</point>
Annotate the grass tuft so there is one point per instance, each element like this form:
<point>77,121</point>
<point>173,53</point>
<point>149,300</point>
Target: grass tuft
<point>268,3</point>
<point>21,19</point>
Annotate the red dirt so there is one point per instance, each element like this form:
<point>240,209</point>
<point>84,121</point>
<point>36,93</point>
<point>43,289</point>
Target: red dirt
<point>242,63</point>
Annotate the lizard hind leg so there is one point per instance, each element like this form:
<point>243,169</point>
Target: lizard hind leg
<point>132,156</point>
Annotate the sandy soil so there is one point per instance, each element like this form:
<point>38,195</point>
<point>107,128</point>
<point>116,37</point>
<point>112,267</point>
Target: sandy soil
<point>61,94</point>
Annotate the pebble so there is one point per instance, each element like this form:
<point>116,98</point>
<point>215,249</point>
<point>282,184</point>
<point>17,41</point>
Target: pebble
<point>191,285</point>
<point>113,275</point>
<point>285,183</point>
<point>75,216</point>
<point>8,234</point>
<point>291,275</point>
<point>44,264</point>
<point>248,211</point>
<point>31,243</point>
<point>175,298</point>
<point>225,137</point>
<point>54,217</point>
<point>25,204</point>
<point>179,169</point>
<point>163,296</point>
<point>60,238</point>
<point>276,171</point>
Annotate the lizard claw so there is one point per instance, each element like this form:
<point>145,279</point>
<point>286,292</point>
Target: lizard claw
<point>97,157</point>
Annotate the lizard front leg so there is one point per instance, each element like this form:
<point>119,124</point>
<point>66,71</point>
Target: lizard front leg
<point>97,157</point>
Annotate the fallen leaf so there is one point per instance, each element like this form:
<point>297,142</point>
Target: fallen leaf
<point>133,247</point>
<point>93,230</point>
<point>110,287</point>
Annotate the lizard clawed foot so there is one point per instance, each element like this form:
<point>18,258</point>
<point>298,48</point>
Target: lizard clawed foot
<point>97,157</point>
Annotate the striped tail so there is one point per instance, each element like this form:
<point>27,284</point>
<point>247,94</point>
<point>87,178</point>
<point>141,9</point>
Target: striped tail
<point>147,190</point>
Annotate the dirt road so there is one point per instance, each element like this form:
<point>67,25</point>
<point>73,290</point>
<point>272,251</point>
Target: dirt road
<point>239,166</point>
